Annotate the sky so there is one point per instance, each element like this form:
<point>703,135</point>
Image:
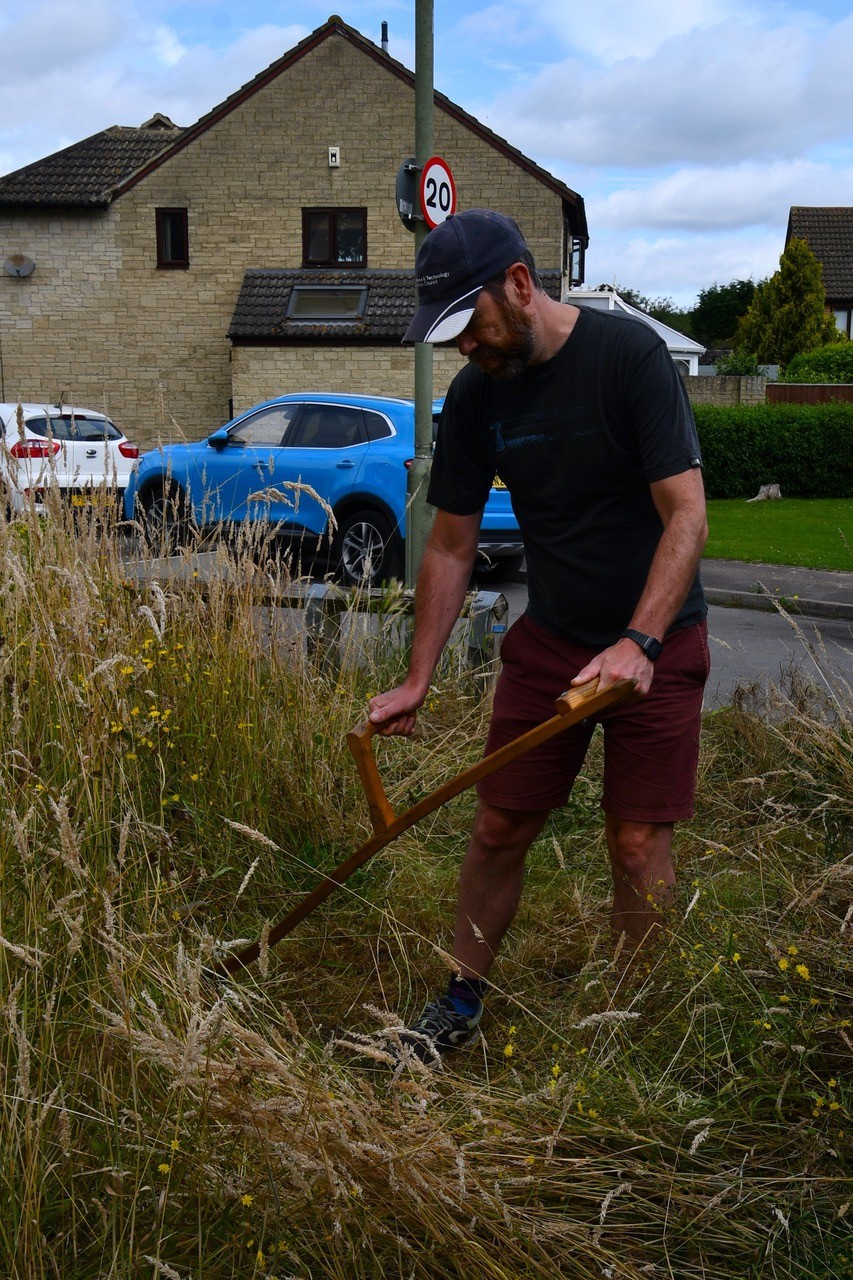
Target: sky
<point>688,126</point>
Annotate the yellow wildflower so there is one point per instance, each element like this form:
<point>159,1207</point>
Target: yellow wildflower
<point>164,1167</point>
<point>803,971</point>
<point>784,964</point>
<point>247,1199</point>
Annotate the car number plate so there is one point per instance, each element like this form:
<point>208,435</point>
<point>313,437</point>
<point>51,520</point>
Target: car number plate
<point>81,500</point>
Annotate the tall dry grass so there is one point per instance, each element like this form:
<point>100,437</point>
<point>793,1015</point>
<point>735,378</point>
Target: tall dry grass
<point>174,778</point>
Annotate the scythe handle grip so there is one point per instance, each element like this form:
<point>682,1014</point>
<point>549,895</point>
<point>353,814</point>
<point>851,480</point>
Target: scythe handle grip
<point>359,743</point>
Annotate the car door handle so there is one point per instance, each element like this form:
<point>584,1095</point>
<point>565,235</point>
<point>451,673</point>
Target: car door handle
<point>345,464</point>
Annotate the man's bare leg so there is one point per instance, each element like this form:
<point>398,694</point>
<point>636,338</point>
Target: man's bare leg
<point>643,876</point>
<point>490,883</point>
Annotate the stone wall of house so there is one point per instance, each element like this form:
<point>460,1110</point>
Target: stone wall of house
<point>57,325</point>
<point>258,373</point>
<point>725,389</point>
<point>99,323</point>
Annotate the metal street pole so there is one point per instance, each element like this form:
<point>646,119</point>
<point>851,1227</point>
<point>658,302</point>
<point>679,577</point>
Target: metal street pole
<point>419,513</point>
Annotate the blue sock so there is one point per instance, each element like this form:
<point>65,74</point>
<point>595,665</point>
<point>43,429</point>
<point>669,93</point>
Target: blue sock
<point>466,994</point>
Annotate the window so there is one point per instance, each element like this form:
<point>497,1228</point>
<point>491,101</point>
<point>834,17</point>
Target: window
<point>329,427</point>
<point>173,242</point>
<point>844,321</point>
<point>325,302</point>
<point>378,428</point>
<point>74,427</point>
<point>334,237</point>
<point>267,427</point>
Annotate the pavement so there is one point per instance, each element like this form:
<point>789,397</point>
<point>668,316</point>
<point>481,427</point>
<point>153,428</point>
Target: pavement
<point>811,593</point>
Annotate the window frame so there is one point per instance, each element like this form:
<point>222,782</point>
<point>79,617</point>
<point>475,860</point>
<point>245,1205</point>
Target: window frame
<point>172,264</point>
<point>333,211</point>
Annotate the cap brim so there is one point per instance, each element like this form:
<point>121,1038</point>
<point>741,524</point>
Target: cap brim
<point>442,321</point>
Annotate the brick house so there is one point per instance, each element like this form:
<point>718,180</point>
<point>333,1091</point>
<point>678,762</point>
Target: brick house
<point>174,276</point>
<point>828,232</point>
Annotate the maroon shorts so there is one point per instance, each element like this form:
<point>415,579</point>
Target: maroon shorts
<point>651,747</point>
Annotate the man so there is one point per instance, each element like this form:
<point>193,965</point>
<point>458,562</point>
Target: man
<point>583,416</point>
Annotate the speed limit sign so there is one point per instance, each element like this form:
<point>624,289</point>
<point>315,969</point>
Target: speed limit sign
<point>438,192</point>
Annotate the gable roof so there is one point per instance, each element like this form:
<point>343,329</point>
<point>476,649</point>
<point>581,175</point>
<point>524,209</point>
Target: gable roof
<point>108,177</point>
<point>88,173</point>
<point>828,231</point>
<point>604,298</point>
<point>260,315</point>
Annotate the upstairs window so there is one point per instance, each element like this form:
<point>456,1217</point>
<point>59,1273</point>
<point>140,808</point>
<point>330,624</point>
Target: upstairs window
<point>173,241</point>
<point>334,237</point>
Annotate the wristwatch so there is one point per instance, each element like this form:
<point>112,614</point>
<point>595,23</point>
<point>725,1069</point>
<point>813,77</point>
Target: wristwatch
<point>651,647</point>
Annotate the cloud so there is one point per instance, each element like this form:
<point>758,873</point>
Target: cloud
<point>716,95</point>
<point>724,199</point>
<point>120,73</point>
<point>623,28</point>
<point>50,40</point>
<point>680,266</point>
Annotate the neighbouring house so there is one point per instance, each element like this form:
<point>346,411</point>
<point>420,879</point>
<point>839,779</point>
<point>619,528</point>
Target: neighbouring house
<point>175,275</point>
<point>828,231</point>
<point>684,351</point>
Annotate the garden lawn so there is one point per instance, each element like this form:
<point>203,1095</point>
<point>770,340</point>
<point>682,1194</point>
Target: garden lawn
<point>813,533</point>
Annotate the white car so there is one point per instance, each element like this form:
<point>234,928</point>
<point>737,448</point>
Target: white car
<point>79,451</point>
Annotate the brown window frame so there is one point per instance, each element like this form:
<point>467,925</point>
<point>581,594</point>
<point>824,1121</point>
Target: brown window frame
<point>172,264</point>
<point>330,261</point>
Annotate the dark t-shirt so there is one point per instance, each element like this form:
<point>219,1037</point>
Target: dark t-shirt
<point>577,441</point>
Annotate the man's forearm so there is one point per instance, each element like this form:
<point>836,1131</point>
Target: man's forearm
<point>440,593</point>
<point>671,573</point>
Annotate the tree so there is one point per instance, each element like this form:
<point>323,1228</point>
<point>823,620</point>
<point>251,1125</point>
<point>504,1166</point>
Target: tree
<point>717,313</point>
<point>787,314</point>
<point>741,364</point>
<point>662,309</point>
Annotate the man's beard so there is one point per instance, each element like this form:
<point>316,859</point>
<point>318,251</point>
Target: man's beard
<point>512,358</point>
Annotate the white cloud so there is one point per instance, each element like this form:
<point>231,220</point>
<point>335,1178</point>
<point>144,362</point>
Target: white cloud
<point>122,75</point>
<point>621,29</point>
<point>712,95</point>
<point>679,266</point>
<point>724,199</point>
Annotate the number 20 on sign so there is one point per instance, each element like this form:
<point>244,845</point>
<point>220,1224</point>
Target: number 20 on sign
<point>438,192</point>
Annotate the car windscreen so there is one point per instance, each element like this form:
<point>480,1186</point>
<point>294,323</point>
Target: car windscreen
<point>74,427</point>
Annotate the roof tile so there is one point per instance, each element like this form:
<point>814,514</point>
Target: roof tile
<point>828,231</point>
<point>261,311</point>
<point>87,173</point>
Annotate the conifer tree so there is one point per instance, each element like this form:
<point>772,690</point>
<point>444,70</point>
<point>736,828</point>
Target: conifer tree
<point>788,313</point>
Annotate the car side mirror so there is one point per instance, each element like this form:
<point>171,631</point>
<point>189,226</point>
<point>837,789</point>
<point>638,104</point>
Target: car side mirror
<point>220,439</point>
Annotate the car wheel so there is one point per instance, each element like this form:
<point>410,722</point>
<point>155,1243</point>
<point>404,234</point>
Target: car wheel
<point>366,550</point>
<point>165,518</point>
<point>497,570</point>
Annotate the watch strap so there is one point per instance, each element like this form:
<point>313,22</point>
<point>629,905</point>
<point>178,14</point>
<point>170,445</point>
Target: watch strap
<point>650,646</point>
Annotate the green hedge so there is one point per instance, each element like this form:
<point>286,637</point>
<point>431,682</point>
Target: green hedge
<point>830,364</point>
<point>806,449</point>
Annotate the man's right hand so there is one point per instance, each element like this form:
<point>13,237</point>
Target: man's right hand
<point>396,712</point>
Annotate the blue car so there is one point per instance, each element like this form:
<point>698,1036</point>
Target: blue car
<point>326,473</point>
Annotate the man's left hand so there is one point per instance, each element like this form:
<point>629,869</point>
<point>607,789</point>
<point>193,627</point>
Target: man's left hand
<point>622,661</point>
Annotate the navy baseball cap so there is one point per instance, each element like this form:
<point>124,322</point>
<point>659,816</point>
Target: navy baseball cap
<point>456,259</point>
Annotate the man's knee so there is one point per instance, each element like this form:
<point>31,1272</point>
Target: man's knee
<point>636,848</point>
<point>505,832</point>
